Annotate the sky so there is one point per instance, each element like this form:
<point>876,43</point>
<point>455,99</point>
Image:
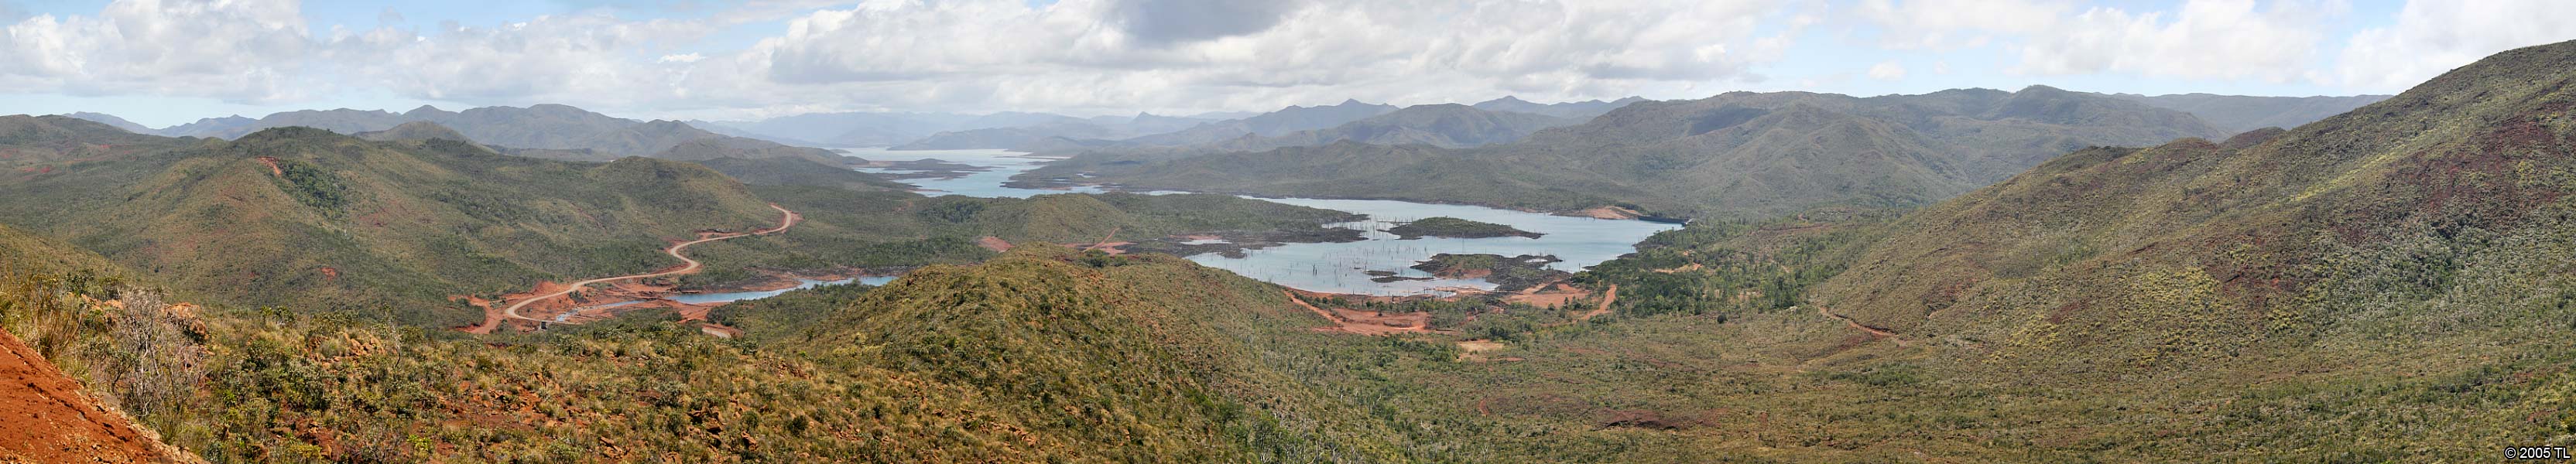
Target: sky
<point>166,62</point>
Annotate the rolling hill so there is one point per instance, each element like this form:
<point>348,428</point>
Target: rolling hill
<point>331,223</point>
<point>308,216</point>
<point>2380,285</point>
<point>2430,204</point>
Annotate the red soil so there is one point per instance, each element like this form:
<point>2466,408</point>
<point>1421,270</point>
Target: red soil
<point>272,166</point>
<point>1367,323</point>
<point>1606,299</point>
<point>44,417</point>
<point>1108,246</point>
<point>1608,212</point>
<point>1874,332</point>
<point>993,243</point>
<point>1556,296</point>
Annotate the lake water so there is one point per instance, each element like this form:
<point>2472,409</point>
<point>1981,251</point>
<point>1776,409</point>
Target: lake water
<point>987,184</point>
<point>1337,267</point>
<point>1342,267</point>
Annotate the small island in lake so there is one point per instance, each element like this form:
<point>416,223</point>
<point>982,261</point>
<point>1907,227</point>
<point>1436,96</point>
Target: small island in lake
<point>1508,274</point>
<point>1449,227</point>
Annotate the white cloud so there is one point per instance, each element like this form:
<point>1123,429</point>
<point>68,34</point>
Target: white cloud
<point>2227,39</point>
<point>1089,54</point>
<point>236,50</point>
<point>966,55</point>
<point>1887,71</point>
<point>1948,24</point>
<point>2432,37</point>
<point>583,59</point>
<point>2202,39</point>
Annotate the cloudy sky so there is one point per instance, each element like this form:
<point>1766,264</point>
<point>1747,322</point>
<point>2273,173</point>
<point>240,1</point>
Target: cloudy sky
<point>163,62</point>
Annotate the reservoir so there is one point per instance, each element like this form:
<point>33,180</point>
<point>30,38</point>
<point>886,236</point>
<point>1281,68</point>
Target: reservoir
<point>1331,267</point>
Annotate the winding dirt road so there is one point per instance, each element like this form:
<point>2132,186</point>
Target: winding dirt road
<point>512,312</point>
<point>1874,332</point>
<point>1610,297</point>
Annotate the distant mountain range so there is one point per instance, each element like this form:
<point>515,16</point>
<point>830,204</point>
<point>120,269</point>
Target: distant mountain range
<point>1049,132</point>
<point>543,131</point>
<point>1445,126</point>
<point>1578,111</point>
<point>2237,113</point>
<point>856,129</point>
<point>1738,153</point>
<point>112,120</point>
<point>1105,127</point>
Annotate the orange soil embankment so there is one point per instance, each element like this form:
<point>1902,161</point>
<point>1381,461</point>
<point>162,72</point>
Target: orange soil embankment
<point>44,417</point>
<point>1364,323</point>
<point>272,166</point>
<point>993,243</point>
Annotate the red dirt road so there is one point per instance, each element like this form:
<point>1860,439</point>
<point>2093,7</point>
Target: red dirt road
<point>1606,299</point>
<point>44,417</point>
<point>493,321</point>
<point>1874,332</point>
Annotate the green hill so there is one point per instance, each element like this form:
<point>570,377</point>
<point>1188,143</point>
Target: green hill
<point>216,381</point>
<point>2381,285</point>
<point>306,216</point>
<point>1141,359</point>
<point>325,222</point>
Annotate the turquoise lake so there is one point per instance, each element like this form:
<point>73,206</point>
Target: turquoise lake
<point>1335,267</point>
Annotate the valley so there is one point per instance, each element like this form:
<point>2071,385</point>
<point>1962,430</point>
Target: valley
<point>1113,232</point>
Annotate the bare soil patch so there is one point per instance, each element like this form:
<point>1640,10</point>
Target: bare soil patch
<point>1609,212</point>
<point>1474,351</point>
<point>1367,322</point>
<point>44,417</point>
